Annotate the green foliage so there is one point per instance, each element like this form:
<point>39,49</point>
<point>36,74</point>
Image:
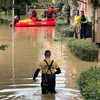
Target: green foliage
<point>60,17</point>
<point>3,21</point>
<point>60,23</point>
<point>68,31</point>
<point>84,49</point>
<point>18,2</point>
<point>43,4</point>
<point>34,0</point>
<point>89,83</point>
<point>3,47</point>
<point>6,5</point>
<point>63,28</point>
<point>75,2</point>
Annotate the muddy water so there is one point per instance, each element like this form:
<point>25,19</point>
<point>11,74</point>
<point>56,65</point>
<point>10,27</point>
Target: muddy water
<point>74,67</point>
<point>19,61</point>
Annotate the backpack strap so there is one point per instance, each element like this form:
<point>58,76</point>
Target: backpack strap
<point>49,66</point>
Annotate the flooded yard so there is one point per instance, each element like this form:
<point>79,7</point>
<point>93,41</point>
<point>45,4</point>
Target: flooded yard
<point>19,61</point>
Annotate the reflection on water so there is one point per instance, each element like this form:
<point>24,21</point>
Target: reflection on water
<point>30,93</point>
<point>19,61</point>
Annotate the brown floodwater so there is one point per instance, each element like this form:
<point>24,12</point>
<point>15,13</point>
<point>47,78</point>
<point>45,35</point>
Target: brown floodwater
<point>19,61</point>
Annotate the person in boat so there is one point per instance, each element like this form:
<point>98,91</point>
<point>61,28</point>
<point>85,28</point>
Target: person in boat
<point>33,14</point>
<point>44,14</point>
<point>51,11</point>
<point>48,67</point>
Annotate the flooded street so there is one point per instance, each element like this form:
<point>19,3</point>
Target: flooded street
<point>19,61</point>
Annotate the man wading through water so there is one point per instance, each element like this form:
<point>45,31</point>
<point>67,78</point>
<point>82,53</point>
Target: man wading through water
<point>48,68</point>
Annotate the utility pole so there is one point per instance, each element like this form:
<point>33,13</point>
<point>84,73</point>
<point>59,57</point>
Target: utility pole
<point>13,14</point>
<point>26,11</point>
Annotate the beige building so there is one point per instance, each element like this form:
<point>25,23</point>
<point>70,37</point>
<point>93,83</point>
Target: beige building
<point>97,35</point>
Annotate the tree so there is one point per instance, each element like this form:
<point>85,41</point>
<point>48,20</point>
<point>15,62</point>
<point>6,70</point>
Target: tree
<point>5,5</point>
<point>43,3</point>
<point>3,47</point>
<point>74,2</point>
<point>20,6</point>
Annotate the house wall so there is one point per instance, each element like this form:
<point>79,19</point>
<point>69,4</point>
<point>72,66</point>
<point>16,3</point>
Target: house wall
<point>88,8</point>
<point>97,34</point>
<point>83,6</point>
<point>89,11</point>
<point>97,25</point>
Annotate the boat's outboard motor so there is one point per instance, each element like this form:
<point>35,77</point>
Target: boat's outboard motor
<point>16,19</point>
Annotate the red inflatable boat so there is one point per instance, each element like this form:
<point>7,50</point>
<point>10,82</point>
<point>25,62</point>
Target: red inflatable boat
<point>50,22</point>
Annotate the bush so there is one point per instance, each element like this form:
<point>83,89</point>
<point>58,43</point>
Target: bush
<point>84,49</point>
<point>68,31</point>
<point>63,28</point>
<point>60,17</point>
<point>89,82</point>
<point>3,21</point>
<point>3,47</point>
<point>60,23</point>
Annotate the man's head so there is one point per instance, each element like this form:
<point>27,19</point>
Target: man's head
<point>77,12</point>
<point>45,12</point>
<point>82,12</point>
<point>52,7</point>
<point>47,53</point>
<point>34,7</point>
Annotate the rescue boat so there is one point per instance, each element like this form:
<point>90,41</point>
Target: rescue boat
<point>30,23</point>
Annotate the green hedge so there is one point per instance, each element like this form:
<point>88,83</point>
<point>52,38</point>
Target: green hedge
<point>84,49</point>
<point>89,82</point>
<point>63,28</point>
<point>60,23</point>
<point>60,17</point>
<point>3,47</point>
<point>3,21</point>
<point>68,31</point>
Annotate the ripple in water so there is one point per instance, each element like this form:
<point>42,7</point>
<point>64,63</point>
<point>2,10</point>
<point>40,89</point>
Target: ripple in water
<point>35,94</point>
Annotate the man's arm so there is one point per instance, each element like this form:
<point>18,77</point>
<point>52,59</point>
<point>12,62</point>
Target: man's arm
<point>58,71</point>
<point>36,73</point>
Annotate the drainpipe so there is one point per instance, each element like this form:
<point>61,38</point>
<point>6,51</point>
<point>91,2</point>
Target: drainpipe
<point>94,11</point>
<point>93,33</point>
